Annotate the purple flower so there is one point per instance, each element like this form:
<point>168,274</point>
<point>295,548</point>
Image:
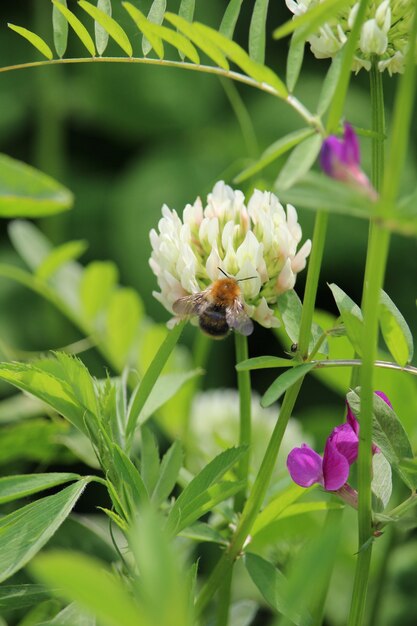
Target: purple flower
<point>340,159</point>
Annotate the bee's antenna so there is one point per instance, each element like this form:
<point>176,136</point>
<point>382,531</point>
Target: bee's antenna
<point>239,280</point>
<point>223,272</point>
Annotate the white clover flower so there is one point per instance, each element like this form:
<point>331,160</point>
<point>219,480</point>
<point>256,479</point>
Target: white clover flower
<point>214,426</point>
<point>258,240</point>
<point>384,32</point>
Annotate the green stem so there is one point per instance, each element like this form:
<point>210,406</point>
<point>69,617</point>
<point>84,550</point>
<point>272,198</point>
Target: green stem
<point>224,596</point>
<point>245,395</point>
<point>263,477</point>
<point>242,115</point>
<point>374,276</point>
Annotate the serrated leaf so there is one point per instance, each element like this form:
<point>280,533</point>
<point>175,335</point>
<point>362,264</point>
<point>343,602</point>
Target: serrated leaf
<point>156,16</point>
<point>60,28</point>
<point>230,17</point>
<point>258,72</point>
<point>395,331</point>
<point>109,25</point>
<point>329,84</point>
<point>170,466</point>
<point>284,382</point>
<point>310,21</point>
<point>101,35</point>
<point>68,251</point>
<point>381,482</point>
<point>273,152</point>
<point>263,362</point>
<point>25,531</point>
<point>257,38</point>
<point>27,192</point>
<point>145,27</point>
<point>294,62</point>
<point>128,477</point>
<point>299,162</point>
<point>206,46</point>
<point>351,315</point>
<point>77,26</point>
<point>88,582</point>
<point>34,39</point>
<point>20,486</point>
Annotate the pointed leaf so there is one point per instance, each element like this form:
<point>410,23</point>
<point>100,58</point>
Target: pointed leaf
<point>186,10</point>
<point>78,27</point>
<point>59,256</point>
<point>381,482</point>
<point>124,313</point>
<point>16,487</point>
<point>101,34</point>
<point>395,331</point>
<point>177,40</point>
<point>34,39</point>
<point>329,84</point>
<point>110,25</point>
<point>310,21</point>
<point>71,615</point>
<point>25,531</point>
<point>145,27</point>
<point>168,474</point>
<point>294,62</point>
<point>284,382</point>
<point>227,27</point>
<point>166,387</point>
<point>263,362</point>
<point>299,162</point>
<point>129,477</point>
<point>98,281</point>
<point>27,192</point>
<point>155,15</point>
<point>351,315</point>
<point>60,28</point>
<point>149,458</point>
<point>257,38</point>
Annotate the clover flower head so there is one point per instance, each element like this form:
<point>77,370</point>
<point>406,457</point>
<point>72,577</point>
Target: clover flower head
<point>258,239</point>
<point>384,32</point>
<point>340,159</point>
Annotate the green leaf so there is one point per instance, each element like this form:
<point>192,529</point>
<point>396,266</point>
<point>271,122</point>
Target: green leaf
<point>395,331</point>
<point>145,27</point>
<point>388,434</point>
<point>129,478</point>
<point>277,506</point>
<point>264,362</point>
<point>26,192</point>
<point>98,281</point>
<point>329,84</point>
<point>151,376</point>
<point>203,533</point>
<point>25,531</point>
<point>110,25</point>
<point>59,256</point>
<point>88,582</point>
<point>149,458</point>
<point>16,487</point>
<point>78,27</point>
<point>272,585</point>
<point>294,62</point>
<point>71,615</point>
<point>124,312</point>
<point>34,39</point>
<point>22,596</point>
<point>290,310</point>
<point>206,46</point>
<point>321,193</point>
<point>258,72</point>
<point>310,21</point>
<point>166,387</point>
<point>228,24</point>
<point>351,316</point>
<point>257,38</point>
<point>71,370</point>
<point>168,474</point>
<point>186,10</point>
<point>156,16</point>
<point>177,40</point>
<point>34,440</point>
<point>101,34</point>
<point>381,482</point>
<point>60,28</point>
<point>284,382</point>
<point>299,162</point>
<point>208,476</point>
<point>273,152</point>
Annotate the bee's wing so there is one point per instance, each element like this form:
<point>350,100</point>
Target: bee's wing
<point>237,318</point>
<point>190,305</point>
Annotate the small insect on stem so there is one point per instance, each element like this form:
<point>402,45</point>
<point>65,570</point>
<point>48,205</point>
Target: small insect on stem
<point>219,308</point>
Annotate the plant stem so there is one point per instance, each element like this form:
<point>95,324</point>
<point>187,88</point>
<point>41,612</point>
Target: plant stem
<point>374,276</point>
<point>263,477</point>
<point>224,596</point>
<point>245,395</point>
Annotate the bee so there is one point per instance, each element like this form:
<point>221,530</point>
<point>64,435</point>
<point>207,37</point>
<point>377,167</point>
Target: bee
<point>219,308</point>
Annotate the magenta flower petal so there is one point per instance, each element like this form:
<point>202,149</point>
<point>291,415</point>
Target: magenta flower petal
<point>382,395</point>
<point>305,466</point>
<point>335,467</point>
<point>346,441</point>
<point>351,419</point>
<point>351,150</point>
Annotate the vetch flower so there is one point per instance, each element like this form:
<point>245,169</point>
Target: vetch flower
<point>384,32</point>
<point>258,239</point>
<point>340,159</point>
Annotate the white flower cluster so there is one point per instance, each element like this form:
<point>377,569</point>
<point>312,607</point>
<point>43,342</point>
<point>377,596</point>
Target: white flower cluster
<point>255,240</point>
<point>384,32</point>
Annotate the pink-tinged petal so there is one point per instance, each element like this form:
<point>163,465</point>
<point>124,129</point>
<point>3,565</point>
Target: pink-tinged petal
<point>346,441</point>
<point>351,146</point>
<point>351,419</point>
<point>305,466</point>
<point>382,395</point>
<point>335,467</point>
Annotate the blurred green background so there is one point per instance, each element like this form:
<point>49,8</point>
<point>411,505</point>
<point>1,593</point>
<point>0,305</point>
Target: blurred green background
<point>127,139</point>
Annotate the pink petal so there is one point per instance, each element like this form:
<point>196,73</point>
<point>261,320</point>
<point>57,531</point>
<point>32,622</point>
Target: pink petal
<point>346,441</point>
<point>305,466</point>
<point>351,419</point>
<point>351,146</point>
<point>382,395</point>
<point>335,467</point>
